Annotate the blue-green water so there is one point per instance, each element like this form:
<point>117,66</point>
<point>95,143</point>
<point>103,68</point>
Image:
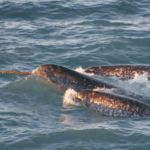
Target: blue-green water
<point>33,114</point>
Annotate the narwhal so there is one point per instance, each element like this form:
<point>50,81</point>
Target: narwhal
<point>123,71</point>
<point>113,105</point>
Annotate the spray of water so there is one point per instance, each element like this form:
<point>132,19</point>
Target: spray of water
<point>69,97</point>
<point>138,84</point>
<point>81,70</point>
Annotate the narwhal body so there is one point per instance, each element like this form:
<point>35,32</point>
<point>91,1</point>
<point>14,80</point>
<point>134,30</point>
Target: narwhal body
<point>123,71</point>
<point>68,78</point>
<point>113,105</point>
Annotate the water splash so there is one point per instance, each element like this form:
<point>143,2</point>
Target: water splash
<point>69,97</point>
<point>138,84</point>
<point>81,70</point>
<point>139,79</point>
<point>34,71</point>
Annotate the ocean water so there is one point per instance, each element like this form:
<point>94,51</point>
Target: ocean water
<point>35,114</point>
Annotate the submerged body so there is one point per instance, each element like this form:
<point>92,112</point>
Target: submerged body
<point>113,105</point>
<point>124,71</point>
<point>68,78</point>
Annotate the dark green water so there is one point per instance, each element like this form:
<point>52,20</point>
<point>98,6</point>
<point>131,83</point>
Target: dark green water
<point>33,112</point>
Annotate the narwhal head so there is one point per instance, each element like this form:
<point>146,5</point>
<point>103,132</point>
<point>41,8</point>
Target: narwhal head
<point>53,72</point>
<point>45,69</point>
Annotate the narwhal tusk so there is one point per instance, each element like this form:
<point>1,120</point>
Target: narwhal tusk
<point>16,72</point>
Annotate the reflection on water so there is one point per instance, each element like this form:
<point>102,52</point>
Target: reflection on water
<point>67,119</point>
<point>86,121</point>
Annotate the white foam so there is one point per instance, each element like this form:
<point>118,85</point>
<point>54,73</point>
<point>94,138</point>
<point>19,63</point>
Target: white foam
<point>81,70</point>
<point>139,84</point>
<point>70,97</point>
<point>35,71</point>
<point>139,79</point>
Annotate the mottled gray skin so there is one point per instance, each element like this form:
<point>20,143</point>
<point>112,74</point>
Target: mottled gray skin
<point>68,78</point>
<point>124,71</point>
<point>114,105</point>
